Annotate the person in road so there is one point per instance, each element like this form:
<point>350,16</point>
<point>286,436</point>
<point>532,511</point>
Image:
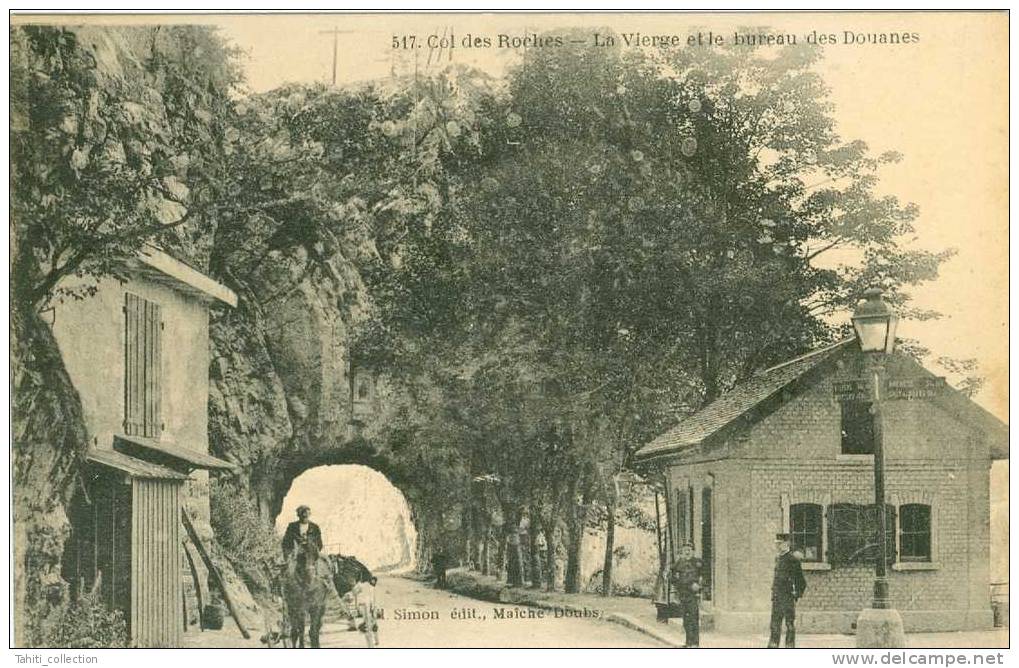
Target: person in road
<point>439,564</point>
<point>301,532</point>
<point>686,583</point>
<point>787,587</point>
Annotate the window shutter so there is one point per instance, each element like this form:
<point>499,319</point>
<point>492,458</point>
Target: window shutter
<point>142,367</point>
<point>153,369</point>
<point>682,530</point>
<point>133,420</point>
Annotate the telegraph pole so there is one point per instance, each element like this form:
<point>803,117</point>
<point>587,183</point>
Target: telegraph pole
<point>335,32</point>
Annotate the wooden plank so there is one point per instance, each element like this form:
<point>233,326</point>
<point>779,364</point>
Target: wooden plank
<point>157,396</point>
<point>129,342</point>
<point>135,375</point>
<point>198,585</point>
<point>136,533</point>
<point>146,312</point>
<point>142,547</point>
<point>135,386</point>
<point>214,572</point>
<point>127,363</point>
<point>173,525</point>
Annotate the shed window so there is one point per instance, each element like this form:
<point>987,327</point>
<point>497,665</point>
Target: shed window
<point>805,530</point>
<point>915,532</point>
<point>143,367</point>
<point>857,428</point>
<point>853,534</point>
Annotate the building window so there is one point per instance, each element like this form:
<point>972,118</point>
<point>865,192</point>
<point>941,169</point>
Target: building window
<point>857,428</point>
<point>805,530</point>
<point>853,534</point>
<point>143,367</point>
<point>681,518</point>
<point>915,532</point>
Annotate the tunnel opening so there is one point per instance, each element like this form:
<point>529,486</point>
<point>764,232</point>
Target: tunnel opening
<point>360,512</point>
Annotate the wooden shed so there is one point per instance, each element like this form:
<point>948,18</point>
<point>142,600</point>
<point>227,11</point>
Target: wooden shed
<point>126,543</point>
<point>128,534</point>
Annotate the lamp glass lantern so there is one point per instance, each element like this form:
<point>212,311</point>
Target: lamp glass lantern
<point>875,323</point>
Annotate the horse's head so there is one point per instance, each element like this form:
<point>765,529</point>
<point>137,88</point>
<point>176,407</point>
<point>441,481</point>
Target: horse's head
<point>307,557</point>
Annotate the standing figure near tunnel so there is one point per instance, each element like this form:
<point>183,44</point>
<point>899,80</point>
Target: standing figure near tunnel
<point>300,533</point>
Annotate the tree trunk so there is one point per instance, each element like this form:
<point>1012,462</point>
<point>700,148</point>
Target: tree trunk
<point>470,545</point>
<point>532,547</point>
<point>514,556</point>
<point>571,579</point>
<point>485,553</point>
<point>575,539</point>
<point>610,545</point>
<point>548,530</point>
<point>500,556</point>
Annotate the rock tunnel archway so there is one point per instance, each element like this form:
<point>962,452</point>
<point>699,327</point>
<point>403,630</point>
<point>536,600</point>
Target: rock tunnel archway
<point>296,475</point>
<point>360,512</point>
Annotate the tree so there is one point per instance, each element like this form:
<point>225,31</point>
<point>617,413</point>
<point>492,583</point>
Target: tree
<point>649,229</point>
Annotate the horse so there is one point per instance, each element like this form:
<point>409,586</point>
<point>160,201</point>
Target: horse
<point>305,589</point>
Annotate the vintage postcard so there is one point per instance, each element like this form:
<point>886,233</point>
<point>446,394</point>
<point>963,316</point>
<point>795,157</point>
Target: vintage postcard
<point>494,330</point>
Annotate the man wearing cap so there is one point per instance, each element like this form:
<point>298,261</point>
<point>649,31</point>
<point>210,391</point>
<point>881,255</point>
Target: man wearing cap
<point>301,532</point>
<point>787,587</point>
<point>686,583</point>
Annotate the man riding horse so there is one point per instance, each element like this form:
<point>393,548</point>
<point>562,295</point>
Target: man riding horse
<point>301,531</point>
<point>308,578</point>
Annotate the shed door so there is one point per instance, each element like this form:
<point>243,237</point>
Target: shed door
<point>111,541</point>
<point>156,611</point>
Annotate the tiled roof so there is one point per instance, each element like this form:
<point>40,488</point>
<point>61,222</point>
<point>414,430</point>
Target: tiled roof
<point>735,403</point>
<point>135,468</point>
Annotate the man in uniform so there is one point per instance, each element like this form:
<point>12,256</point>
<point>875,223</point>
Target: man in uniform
<point>301,532</point>
<point>787,587</point>
<point>686,583</point>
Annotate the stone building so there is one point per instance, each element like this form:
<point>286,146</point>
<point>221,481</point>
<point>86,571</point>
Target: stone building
<point>137,351</point>
<point>781,453</point>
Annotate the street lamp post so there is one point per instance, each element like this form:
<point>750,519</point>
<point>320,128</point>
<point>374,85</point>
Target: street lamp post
<point>874,322</point>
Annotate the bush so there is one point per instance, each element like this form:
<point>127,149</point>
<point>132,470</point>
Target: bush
<point>84,623</point>
<point>246,541</point>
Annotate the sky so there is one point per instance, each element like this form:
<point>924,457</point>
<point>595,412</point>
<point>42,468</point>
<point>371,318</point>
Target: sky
<point>941,101</point>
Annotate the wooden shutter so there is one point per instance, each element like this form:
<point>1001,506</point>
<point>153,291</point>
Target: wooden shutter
<point>153,369</point>
<point>134,420</point>
<point>142,367</point>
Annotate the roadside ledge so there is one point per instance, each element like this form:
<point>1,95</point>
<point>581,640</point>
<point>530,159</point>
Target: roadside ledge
<point>489,589</point>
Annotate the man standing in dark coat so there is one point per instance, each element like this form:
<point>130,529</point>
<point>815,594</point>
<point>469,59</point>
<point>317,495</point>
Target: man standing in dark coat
<point>301,532</point>
<point>786,588</point>
<point>686,583</point>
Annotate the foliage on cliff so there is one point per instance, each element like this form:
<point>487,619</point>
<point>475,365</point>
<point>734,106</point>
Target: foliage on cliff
<point>104,123</point>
